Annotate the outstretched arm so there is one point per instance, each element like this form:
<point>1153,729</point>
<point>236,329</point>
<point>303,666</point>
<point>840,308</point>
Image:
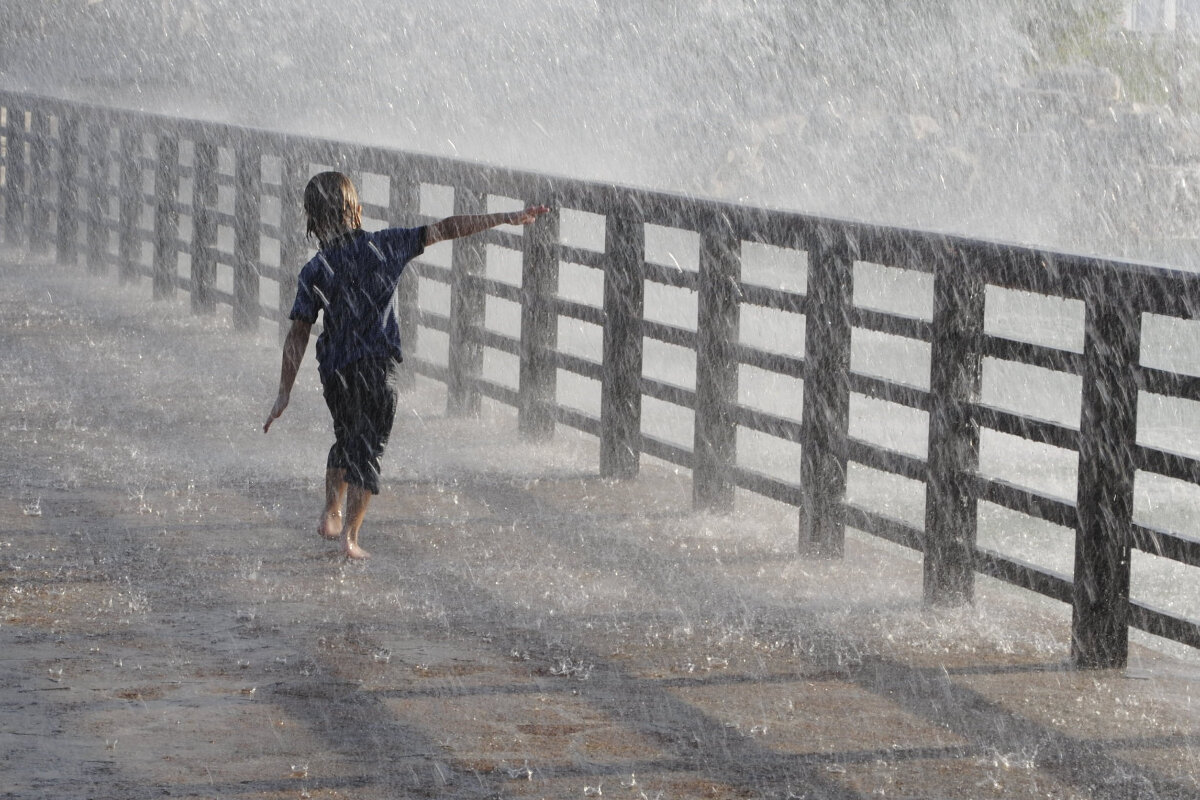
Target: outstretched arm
<point>293,353</point>
<point>465,225</point>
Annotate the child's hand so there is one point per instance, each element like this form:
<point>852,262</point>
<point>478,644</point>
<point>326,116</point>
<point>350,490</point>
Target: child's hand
<point>281,402</point>
<point>528,215</point>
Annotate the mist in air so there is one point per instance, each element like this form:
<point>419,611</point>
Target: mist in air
<point>512,592</point>
<point>1052,123</point>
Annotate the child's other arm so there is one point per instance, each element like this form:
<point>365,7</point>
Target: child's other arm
<point>293,353</point>
<point>465,225</point>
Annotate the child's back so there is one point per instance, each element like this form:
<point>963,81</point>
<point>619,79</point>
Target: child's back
<point>353,283</point>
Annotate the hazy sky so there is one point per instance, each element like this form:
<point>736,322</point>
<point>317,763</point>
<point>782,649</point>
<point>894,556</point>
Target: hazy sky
<point>904,113</point>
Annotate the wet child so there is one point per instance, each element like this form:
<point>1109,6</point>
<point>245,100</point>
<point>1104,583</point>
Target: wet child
<point>351,281</point>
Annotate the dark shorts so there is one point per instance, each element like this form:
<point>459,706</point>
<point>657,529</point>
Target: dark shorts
<point>362,401</point>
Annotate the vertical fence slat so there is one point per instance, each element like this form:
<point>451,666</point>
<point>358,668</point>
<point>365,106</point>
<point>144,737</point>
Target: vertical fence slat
<point>166,217</point>
<point>825,419</point>
<point>404,201</point>
<point>291,230</point>
<point>246,241</point>
<point>624,305</point>
<point>539,327</point>
<point>67,233</point>
<point>467,299</point>
<point>1104,504</point>
<point>40,153</point>
<point>956,375</point>
<point>129,249</point>
<point>16,178</point>
<point>715,430</point>
<point>204,227</point>
<point>99,162</point>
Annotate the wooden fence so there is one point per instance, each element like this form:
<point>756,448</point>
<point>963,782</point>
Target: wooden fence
<point>191,204</point>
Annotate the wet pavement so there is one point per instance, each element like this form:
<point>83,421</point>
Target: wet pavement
<point>172,625</point>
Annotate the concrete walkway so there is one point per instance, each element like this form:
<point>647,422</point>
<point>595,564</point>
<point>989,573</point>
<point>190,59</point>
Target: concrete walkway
<point>171,624</point>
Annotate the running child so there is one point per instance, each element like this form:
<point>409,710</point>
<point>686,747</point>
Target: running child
<point>352,281</point>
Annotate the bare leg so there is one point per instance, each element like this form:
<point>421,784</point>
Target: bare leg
<point>335,493</point>
<point>357,500</point>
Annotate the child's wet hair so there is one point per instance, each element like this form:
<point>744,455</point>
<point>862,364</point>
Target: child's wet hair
<point>331,204</point>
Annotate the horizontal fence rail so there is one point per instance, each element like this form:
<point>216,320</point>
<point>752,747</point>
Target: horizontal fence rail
<point>214,210</point>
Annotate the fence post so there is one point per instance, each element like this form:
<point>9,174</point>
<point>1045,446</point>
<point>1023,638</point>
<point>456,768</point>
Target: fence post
<point>621,390</point>
<point>291,232</point>
<point>825,420</point>
<point>39,189</point>
<point>204,227</point>
<point>539,327</point>
<point>246,241</point>
<point>128,244</point>
<point>15,177</point>
<point>67,234</point>
<point>955,380</point>
<point>97,135</point>
<point>715,430</point>
<point>166,217</point>
<point>404,200</point>
<point>1104,503</point>
<point>467,305</point>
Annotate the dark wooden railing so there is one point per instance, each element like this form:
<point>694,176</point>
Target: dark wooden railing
<point>191,204</point>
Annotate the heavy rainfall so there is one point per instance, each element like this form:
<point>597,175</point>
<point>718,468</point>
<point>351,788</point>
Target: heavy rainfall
<point>525,628</point>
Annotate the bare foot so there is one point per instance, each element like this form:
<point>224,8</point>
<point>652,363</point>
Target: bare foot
<point>330,526</point>
<point>354,551</point>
